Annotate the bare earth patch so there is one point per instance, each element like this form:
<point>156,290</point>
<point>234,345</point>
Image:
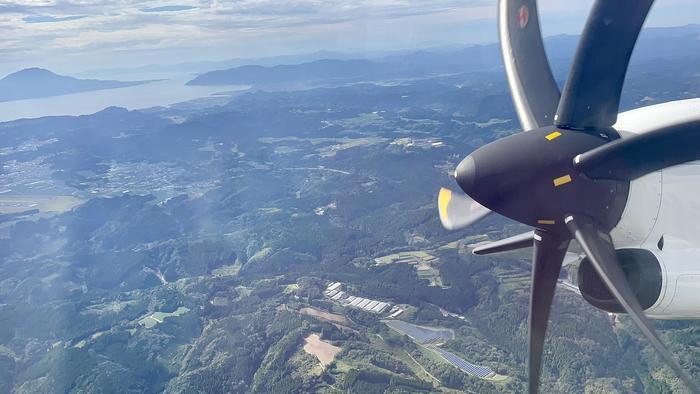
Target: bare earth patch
<point>324,351</point>
<point>323,315</point>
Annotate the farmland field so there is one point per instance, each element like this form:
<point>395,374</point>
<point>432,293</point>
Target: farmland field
<point>156,318</point>
<point>16,203</point>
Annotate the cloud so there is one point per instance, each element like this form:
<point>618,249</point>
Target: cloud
<point>51,19</point>
<point>12,8</point>
<point>105,23</point>
<point>122,31</point>
<point>168,8</point>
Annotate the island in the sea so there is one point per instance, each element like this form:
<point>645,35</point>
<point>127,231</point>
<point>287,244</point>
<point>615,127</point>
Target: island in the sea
<point>38,82</point>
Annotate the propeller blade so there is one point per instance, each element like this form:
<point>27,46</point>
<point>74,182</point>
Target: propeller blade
<point>591,95</point>
<point>638,155</point>
<point>519,241</point>
<point>458,211</point>
<point>532,86</point>
<point>597,245</point>
<point>547,257</point>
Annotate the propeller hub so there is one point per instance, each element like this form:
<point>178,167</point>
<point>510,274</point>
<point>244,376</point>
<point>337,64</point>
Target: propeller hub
<point>530,177</point>
<point>465,174</point>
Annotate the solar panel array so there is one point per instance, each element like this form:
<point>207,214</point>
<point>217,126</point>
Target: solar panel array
<point>464,365</point>
<point>430,337</point>
<point>420,334</point>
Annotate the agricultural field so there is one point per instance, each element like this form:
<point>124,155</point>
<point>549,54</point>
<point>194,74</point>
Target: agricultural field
<point>56,204</point>
<point>424,263</point>
<point>156,318</point>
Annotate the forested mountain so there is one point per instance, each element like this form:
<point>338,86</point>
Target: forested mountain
<point>38,82</point>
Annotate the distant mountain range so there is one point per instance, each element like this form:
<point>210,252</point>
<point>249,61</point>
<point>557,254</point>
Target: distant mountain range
<point>655,44</point>
<point>198,67</point>
<point>325,71</point>
<point>37,82</point>
<point>319,70</point>
<point>655,48</point>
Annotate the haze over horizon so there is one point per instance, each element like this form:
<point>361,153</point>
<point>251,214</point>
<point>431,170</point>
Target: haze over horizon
<point>74,36</point>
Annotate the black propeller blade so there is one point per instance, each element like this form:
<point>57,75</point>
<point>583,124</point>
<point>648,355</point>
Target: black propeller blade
<point>534,91</point>
<point>630,158</point>
<point>591,95</point>
<point>597,245</point>
<point>547,257</point>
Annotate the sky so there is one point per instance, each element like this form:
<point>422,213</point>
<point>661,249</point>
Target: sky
<point>77,35</point>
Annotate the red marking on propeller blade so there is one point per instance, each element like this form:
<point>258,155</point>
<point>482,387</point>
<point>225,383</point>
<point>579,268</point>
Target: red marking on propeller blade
<point>523,16</point>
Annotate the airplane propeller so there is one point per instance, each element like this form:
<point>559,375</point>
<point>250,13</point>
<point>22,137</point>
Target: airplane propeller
<point>568,175</point>
<point>459,210</point>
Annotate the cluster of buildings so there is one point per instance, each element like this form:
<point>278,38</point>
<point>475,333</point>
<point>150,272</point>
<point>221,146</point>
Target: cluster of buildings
<point>335,292</point>
<point>366,304</point>
<point>424,143</point>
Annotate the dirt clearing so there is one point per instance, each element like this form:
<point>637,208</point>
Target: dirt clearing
<point>323,315</point>
<point>324,351</point>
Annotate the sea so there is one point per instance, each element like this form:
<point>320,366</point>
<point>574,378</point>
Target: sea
<point>163,92</point>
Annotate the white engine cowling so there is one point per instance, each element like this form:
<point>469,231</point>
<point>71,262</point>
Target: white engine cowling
<point>667,288</point>
<point>662,217</point>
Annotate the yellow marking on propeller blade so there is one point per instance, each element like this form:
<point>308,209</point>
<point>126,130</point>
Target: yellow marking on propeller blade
<point>562,180</point>
<point>546,221</point>
<point>444,199</point>
<point>553,135</point>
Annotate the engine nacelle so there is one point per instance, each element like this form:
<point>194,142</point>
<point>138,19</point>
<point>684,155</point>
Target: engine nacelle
<point>643,273</point>
<point>664,293</point>
<point>662,216</point>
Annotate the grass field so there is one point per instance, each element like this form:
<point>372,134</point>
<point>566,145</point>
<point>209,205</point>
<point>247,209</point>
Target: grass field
<point>512,280</point>
<point>155,318</point>
<point>398,352</point>
<point>15,204</point>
